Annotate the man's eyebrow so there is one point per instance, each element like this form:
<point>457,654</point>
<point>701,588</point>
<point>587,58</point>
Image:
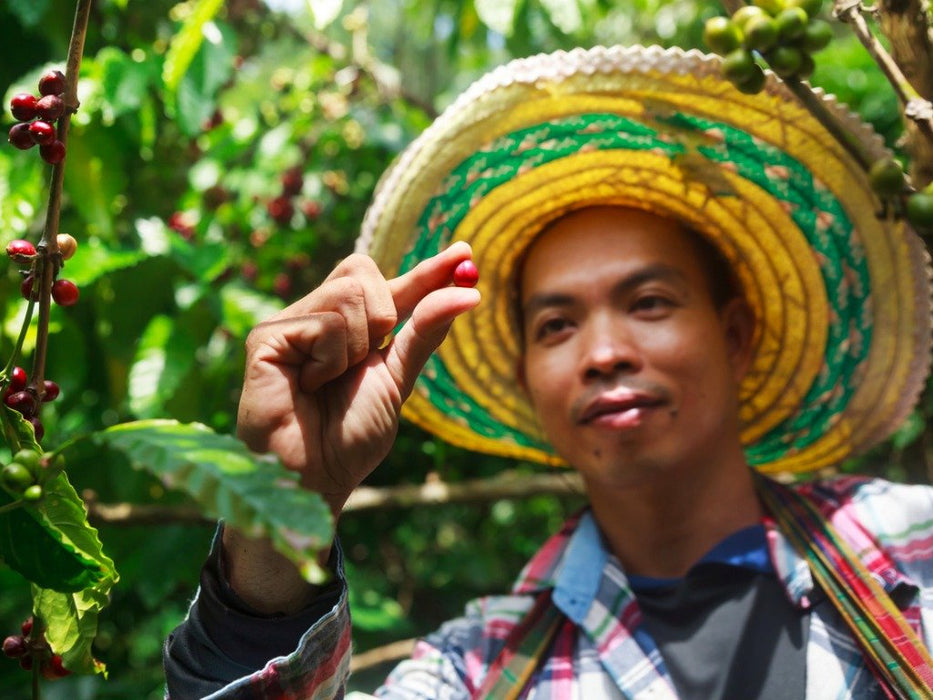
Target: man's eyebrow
<point>649,273</point>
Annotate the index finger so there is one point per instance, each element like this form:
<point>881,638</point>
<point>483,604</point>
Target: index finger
<point>434,273</point>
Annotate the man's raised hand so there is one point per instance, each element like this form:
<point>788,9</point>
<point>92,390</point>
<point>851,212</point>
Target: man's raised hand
<point>321,388</point>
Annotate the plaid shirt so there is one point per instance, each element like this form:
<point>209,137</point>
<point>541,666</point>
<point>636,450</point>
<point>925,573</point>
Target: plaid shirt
<point>602,649</point>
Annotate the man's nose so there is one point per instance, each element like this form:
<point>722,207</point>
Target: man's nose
<point>608,348</point>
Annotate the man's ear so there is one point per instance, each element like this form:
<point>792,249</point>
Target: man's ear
<point>738,322</point>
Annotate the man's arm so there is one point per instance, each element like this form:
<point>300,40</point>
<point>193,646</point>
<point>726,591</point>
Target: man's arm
<point>323,392</point>
<point>224,641</point>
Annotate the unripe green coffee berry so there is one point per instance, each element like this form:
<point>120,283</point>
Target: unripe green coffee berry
<point>760,33</point>
<point>16,477</point>
<point>753,84</point>
<point>772,7</point>
<point>886,176</point>
<point>920,209</point>
<point>816,35</point>
<point>745,13</point>
<point>33,494</point>
<point>786,61</point>
<point>29,459</point>
<point>807,66</point>
<point>721,35</point>
<point>811,7</point>
<point>791,23</point>
<point>739,65</point>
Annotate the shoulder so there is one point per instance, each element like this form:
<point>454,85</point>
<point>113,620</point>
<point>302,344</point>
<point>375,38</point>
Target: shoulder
<point>870,512</point>
<point>480,633</point>
<point>879,504</point>
<point>451,663</point>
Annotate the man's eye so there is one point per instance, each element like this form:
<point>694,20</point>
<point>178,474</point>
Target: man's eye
<point>550,327</point>
<point>652,303</point>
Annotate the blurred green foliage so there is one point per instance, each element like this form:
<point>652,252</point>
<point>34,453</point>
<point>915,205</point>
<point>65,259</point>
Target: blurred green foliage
<point>211,182</point>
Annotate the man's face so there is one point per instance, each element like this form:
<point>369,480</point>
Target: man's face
<point>632,369</point>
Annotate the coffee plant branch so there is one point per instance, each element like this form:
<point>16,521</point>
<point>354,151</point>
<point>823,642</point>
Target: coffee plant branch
<point>919,110</point>
<point>49,258</point>
<point>431,493</point>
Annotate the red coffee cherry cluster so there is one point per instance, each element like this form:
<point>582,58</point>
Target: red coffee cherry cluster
<point>37,117</point>
<point>31,649</point>
<point>24,400</point>
<point>64,292</point>
<point>281,209</point>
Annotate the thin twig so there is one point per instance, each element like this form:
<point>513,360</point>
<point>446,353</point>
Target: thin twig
<point>393,651</point>
<point>365,498</point>
<point>919,110</point>
<point>851,143</point>
<point>11,506</point>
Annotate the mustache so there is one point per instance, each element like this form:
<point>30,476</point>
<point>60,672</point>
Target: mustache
<point>652,390</point>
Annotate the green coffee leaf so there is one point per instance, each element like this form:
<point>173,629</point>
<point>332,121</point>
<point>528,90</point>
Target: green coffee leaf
<point>187,41</point>
<point>29,12</point>
<point>164,356</point>
<point>565,14</point>
<point>253,493</point>
<point>498,15</point>
<point>243,308</point>
<point>194,99</point>
<point>324,12</point>
<point>51,544</point>
<point>22,429</point>
<point>71,617</point>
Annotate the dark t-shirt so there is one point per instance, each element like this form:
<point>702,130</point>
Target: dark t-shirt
<point>727,629</point>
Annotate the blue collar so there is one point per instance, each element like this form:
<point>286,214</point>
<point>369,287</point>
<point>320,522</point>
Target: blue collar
<point>581,570</point>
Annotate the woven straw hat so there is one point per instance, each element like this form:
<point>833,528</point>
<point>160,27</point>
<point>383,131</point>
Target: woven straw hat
<point>842,295</point>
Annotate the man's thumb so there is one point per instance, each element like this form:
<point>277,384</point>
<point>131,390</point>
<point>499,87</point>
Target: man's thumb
<point>425,331</point>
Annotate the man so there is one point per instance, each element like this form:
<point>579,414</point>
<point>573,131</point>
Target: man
<point>674,290</point>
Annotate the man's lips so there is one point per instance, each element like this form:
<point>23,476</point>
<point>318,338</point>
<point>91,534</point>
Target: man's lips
<point>616,403</point>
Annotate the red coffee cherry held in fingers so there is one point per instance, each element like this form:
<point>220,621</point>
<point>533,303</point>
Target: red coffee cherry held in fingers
<point>52,390</point>
<point>20,137</point>
<point>53,153</point>
<point>50,108</point>
<point>20,247</point>
<point>18,379</point>
<point>22,401</point>
<point>466,274</point>
<point>52,83</point>
<point>15,646</point>
<point>65,292</point>
<point>42,132</point>
<point>23,106</point>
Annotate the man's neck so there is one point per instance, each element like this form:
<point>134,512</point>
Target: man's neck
<point>662,527</point>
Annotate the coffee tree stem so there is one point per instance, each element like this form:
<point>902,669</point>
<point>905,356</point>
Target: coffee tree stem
<point>50,260</point>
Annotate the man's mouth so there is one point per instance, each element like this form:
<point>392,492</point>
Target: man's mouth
<point>618,408</point>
